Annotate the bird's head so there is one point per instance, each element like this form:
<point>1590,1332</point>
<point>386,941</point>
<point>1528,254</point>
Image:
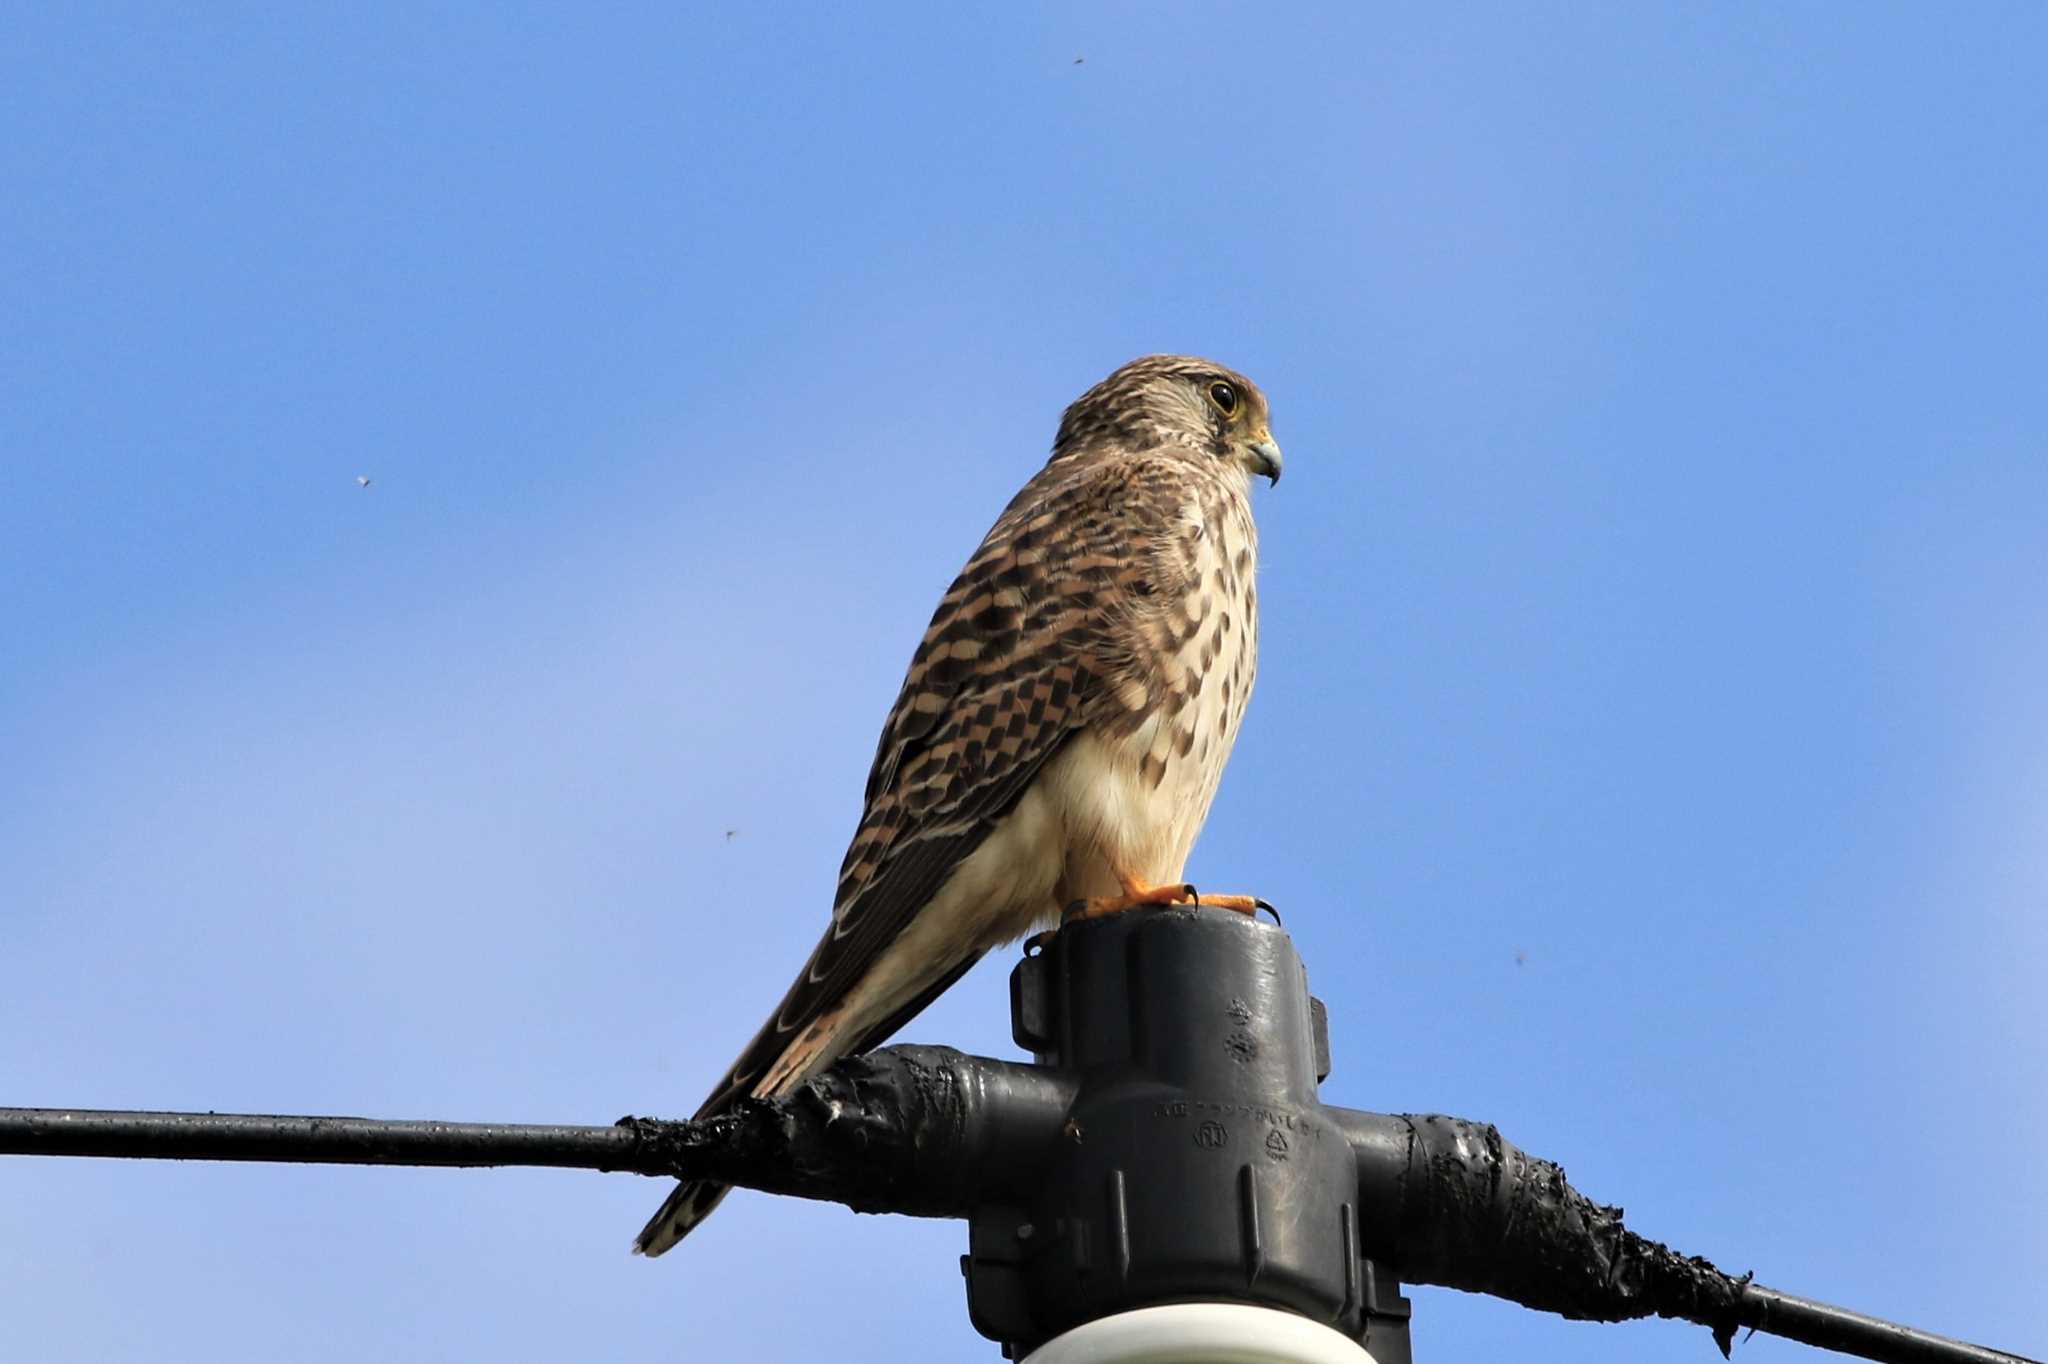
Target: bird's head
<point>1175,400</point>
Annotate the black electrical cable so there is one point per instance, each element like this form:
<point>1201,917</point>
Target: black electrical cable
<point>903,1132</point>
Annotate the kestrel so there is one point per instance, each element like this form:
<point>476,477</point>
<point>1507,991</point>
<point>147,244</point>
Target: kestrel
<point>1062,729</point>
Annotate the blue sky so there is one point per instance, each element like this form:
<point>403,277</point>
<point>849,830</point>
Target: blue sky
<point>1656,593</point>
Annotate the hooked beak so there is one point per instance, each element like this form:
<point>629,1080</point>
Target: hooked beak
<point>1265,454</point>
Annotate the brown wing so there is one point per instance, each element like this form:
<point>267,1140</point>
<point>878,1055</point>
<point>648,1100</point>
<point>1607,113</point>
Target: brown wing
<point>1022,652</point>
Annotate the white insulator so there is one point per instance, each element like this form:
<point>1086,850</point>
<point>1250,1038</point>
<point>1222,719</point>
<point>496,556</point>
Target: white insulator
<point>1201,1333</point>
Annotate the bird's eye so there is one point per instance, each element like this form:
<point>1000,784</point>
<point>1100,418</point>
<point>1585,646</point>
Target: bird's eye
<point>1224,396</point>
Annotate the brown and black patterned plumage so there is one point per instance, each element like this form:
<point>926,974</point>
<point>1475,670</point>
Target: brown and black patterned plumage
<point>1063,726</point>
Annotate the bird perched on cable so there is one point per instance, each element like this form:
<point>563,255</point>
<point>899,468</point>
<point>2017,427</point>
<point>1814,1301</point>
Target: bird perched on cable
<point>1062,729</point>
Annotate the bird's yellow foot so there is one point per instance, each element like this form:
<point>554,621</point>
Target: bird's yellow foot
<point>1151,897</point>
<point>1243,904</point>
<point>1136,895</point>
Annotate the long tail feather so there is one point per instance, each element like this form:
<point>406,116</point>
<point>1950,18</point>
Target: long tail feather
<point>690,1204</point>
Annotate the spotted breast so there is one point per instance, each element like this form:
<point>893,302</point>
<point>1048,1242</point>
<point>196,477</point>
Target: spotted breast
<point>1136,787</point>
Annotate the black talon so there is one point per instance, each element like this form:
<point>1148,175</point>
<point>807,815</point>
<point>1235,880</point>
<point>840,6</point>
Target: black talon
<point>1267,905</point>
<point>1074,910</point>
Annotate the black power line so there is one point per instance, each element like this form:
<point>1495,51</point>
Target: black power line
<point>648,1146</point>
<point>1136,1091</point>
<point>139,1135</point>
